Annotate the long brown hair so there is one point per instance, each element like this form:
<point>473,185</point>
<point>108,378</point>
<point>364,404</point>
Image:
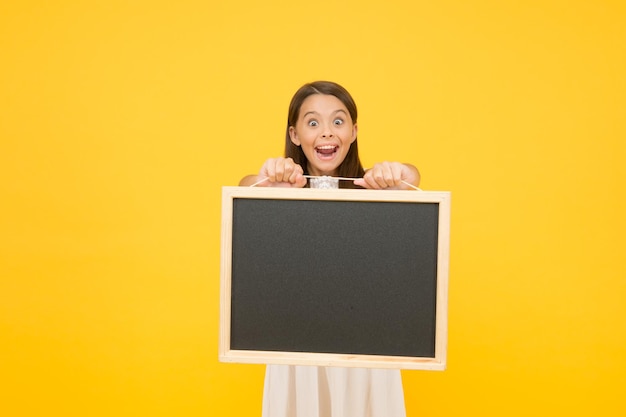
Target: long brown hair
<point>351,165</point>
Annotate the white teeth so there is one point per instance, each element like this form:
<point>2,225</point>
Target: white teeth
<point>326,147</point>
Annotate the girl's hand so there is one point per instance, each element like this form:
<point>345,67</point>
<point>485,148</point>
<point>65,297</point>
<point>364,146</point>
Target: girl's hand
<point>281,172</point>
<point>389,175</point>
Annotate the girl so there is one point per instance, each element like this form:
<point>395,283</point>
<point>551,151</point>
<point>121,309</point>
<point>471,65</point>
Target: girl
<point>321,140</point>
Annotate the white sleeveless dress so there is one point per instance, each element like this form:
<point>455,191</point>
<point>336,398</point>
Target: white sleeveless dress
<point>310,391</point>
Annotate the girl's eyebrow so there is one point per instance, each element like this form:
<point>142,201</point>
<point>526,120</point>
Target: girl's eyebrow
<point>316,113</point>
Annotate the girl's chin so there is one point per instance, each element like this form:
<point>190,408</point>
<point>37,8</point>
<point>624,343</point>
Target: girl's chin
<point>322,170</point>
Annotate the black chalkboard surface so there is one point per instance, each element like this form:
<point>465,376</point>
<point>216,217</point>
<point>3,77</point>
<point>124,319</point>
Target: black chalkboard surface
<point>334,277</point>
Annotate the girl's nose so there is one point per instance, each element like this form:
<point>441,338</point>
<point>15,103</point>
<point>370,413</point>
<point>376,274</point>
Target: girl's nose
<point>327,132</point>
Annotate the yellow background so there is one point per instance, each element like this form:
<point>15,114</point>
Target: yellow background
<point>120,121</point>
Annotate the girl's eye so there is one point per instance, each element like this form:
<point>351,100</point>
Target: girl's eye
<point>338,122</point>
<point>312,122</point>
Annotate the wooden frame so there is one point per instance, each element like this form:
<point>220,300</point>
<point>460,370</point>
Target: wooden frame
<point>227,353</point>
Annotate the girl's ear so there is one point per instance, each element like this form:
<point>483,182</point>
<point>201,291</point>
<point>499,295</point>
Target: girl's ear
<point>354,131</point>
<point>294,136</point>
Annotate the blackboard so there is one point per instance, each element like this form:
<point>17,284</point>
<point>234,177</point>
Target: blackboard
<point>334,277</point>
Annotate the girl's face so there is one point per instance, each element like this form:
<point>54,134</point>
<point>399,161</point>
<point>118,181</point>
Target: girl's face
<point>325,132</point>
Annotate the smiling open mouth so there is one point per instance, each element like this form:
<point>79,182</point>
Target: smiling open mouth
<point>326,151</point>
